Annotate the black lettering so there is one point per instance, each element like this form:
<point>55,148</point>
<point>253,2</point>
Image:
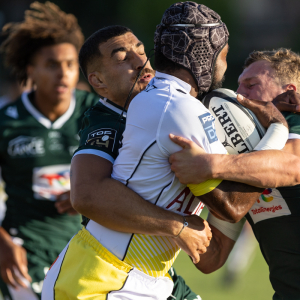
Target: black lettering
<point>244,150</point>
<point>236,139</point>
<point>230,129</point>
<point>223,120</point>
<point>217,110</point>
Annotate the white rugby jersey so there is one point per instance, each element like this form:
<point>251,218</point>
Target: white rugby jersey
<point>164,107</point>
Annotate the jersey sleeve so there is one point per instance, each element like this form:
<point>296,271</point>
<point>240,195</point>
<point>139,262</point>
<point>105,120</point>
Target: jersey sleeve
<point>194,122</point>
<point>100,135</point>
<point>293,121</point>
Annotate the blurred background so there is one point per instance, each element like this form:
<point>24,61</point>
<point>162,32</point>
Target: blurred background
<point>253,25</point>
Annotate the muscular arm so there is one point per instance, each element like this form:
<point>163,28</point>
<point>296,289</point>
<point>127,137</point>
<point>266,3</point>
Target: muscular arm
<point>268,168</point>
<point>231,200</point>
<point>110,203</point>
<point>217,252</point>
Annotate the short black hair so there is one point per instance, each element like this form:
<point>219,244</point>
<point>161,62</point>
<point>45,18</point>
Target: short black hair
<point>90,48</point>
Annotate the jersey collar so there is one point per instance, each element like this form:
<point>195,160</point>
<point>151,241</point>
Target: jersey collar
<point>42,119</point>
<point>116,108</point>
<point>187,87</point>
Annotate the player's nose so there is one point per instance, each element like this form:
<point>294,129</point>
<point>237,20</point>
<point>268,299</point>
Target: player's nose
<point>242,91</point>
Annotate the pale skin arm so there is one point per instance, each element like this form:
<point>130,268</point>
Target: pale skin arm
<point>110,203</point>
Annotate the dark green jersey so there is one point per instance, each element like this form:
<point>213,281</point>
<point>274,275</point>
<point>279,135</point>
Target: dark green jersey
<point>101,132</point>
<point>275,219</point>
<point>35,156</point>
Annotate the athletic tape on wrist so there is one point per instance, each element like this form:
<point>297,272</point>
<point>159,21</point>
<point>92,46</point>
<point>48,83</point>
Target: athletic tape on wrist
<point>274,139</point>
<point>231,230</point>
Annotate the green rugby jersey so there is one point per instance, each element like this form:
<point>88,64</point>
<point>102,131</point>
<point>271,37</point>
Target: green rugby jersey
<point>35,156</point>
<point>101,132</point>
<point>275,220</point>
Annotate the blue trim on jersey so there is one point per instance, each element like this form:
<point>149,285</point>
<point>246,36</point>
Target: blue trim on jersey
<point>96,152</point>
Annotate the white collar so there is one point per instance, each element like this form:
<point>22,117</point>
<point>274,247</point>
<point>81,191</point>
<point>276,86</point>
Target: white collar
<point>187,87</point>
<point>42,119</point>
<point>112,106</point>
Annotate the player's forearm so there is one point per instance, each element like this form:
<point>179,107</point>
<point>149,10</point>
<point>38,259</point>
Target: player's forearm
<point>268,168</point>
<point>4,236</point>
<point>115,206</point>
<point>217,252</point>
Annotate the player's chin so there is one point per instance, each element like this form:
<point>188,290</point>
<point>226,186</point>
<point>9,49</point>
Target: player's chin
<point>142,85</point>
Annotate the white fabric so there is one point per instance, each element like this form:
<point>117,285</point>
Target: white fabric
<point>42,119</point>
<point>152,115</point>
<point>274,139</point>
<point>112,107</point>
<point>231,230</point>
<point>112,240</point>
<point>294,136</point>
<point>49,281</point>
<point>270,204</point>
<point>138,286</point>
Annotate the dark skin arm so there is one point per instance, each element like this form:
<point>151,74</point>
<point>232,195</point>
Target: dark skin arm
<point>288,101</point>
<point>232,200</point>
<point>217,252</point>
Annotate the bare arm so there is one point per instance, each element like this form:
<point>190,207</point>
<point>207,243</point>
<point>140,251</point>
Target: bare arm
<point>110,203</point>
<point>13,261</point>
<point>217,253</point>
<point>268,168</point>
<point>231,200</point>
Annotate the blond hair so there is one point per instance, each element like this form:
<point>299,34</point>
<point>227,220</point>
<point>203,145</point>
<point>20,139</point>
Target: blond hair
<point>284,62</point>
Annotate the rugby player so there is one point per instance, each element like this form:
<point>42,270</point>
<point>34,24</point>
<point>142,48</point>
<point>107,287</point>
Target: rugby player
<point>116,55</point>
<point>274,217</point>
<point>38,135</point>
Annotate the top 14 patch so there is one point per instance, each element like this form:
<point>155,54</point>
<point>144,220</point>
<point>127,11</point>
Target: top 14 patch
<point>102,138</point>
<point>208,123</point>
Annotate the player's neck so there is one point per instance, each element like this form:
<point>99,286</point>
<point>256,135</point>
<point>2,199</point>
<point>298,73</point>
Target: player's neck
<point>51,108</point>
<point>186,76</point>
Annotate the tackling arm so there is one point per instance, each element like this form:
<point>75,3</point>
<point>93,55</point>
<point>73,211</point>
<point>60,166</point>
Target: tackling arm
<point>110,203</point>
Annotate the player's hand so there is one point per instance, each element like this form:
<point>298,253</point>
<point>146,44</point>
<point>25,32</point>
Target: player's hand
<point>13,263</point>
<point>266,112</point>
<point>63,204</point>
<point>288,101</point>
<point>185,163</point>
<point>195,238</point>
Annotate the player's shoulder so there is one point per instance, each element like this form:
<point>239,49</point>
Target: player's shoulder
<point>11,111</point>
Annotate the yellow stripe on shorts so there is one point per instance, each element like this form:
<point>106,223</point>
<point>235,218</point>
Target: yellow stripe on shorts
<point>204,187</point>
<point>89,270</point>
<point>153,255</point>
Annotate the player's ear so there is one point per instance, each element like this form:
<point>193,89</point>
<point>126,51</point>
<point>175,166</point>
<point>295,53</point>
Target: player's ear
<point>291,86</point>
<point>30,71</point>
<point>95,80</point>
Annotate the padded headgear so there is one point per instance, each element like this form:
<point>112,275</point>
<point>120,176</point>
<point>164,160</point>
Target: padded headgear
<point>192,35</point>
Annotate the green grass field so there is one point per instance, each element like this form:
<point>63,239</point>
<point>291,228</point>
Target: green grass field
<point>253,284</point>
